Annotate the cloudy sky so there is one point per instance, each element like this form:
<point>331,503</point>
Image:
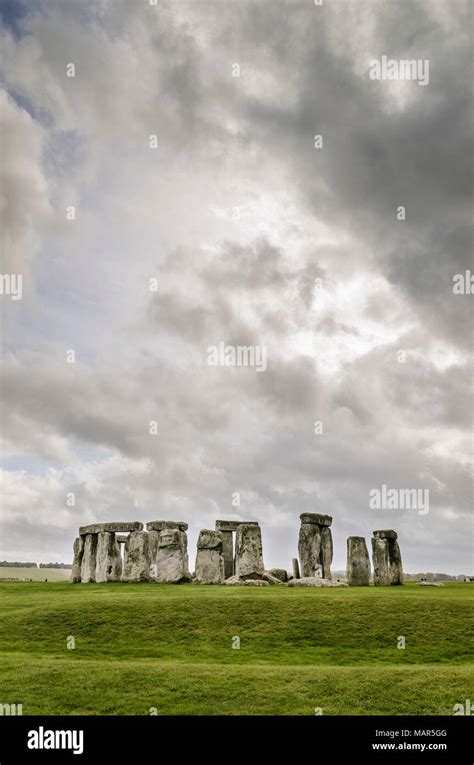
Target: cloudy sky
<point>253,237</point>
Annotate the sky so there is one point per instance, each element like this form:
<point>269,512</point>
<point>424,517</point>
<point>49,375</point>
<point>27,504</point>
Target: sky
<point>171,196</point>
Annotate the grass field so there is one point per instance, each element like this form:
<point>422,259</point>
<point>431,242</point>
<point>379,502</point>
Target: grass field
<point>170,647</point>
<point>37,574</point>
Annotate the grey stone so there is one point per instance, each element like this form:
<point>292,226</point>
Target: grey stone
<point>209,558</point>
<point>387,560</point>
<point>358,562</point>
<point>108,559</point>
<point>279,573</point>
<point>314,581</point>
<point>78,548</point>
<point>268,577</point>
<point>429,584</point>
<point>326,551</point>
<point>171,557</point>
<point>233,580</point>
<point>96,528</point>
<point>386,534</point>
<point>309,547</point>
<point>295,568</point>
<point>248,551</point>
<point>160,525</point>
<point>136,564</point>
<point>88,563</point>
<point>255,583</point>
<point>228,553</point>
<point>233,525</point>
<point>317,518</point>
<point>152,550</point>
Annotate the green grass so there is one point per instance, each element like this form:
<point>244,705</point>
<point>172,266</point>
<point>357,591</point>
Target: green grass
<point>37,574</point>
<point>170,647</point>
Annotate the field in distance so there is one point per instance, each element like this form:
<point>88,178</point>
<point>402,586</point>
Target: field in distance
<point>37,574</point>
<point>132,649</point>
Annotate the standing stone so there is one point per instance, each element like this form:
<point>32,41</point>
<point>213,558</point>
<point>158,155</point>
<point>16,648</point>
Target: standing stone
<point>358,563</point>
<point>108,559</point>
<point>76,565</point>
<point>326,552</point>
<point>152,551</point>
<point>136,564</point>
<point>171,557</point>
<point>386,558</point>
<point>228,553</point>
<point>309,548</point>
<point>88,564</point>
<point>296,568</point>
<point>248,552</point>
<point>209,558</point>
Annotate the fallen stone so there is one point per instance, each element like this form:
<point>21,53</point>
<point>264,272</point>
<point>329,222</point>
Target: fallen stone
<point>248,551</point>
<point>314,581</point>
<point>317,518</point>
<point>267,577</point>
<point>255,583</point>
<point>358,562</point>
<point>233,580</point>
<point>96,528</point>
<point>136,564</point>
<point>279,573</point>
<point>429,584</point>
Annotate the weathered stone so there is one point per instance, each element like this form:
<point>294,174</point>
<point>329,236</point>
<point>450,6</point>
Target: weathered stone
<point>160,525</point>
<point>108,559</point>
<point>89,558</point>
<point>315,581</point>
<point>255,583</point>
<point>317,518</point>
<point>96,528</point>
<point>233,580</point>
<point>233,525</point>
<point>358,563</point>
<point>295,568</point>
<point>395,562</point>
<point>309,546</point>
<point>152,550</point>
<point>136,564</point>
<point>171,557</point>
<point>209,540</point>
<point>227,553</point>
<point>268,577</point>
<point>209,558</point>
<point>326,552</point>
<point>386,559</point>
<point>121,538</point>
<point>248,551</point>
<point>430,584</point>
<point>386,534</point>
<point>77,562</point>
<point>279,573</point>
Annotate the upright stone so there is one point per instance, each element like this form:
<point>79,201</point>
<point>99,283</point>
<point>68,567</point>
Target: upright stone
<point>326,552</point>
<point>358,563</point>
<point>108,558</point>
<point>76,565</point>
<point>136,564</point>
<point>152,551</point>
<point>228,553</point>
<point>248,552</point>
<point>386,558</point>
<point>88,564</point>
<point>296,568</point>
<point>309,548</point>
<point>209,558</point>
<point>171,557</point>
